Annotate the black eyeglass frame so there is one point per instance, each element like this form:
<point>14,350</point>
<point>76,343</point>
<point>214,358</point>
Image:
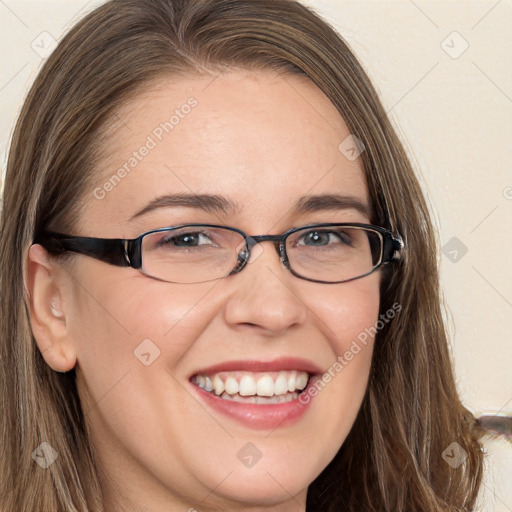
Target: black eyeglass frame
<point>128,252</point>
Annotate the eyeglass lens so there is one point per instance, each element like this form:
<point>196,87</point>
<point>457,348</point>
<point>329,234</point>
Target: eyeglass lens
<point>194,254</point>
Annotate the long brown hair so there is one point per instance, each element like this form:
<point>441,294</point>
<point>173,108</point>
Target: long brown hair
<point>392,459</point>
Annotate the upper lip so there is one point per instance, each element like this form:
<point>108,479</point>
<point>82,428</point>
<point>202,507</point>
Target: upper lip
<point>283,363</point>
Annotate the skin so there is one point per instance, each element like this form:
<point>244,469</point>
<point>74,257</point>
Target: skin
<point>262,140</point>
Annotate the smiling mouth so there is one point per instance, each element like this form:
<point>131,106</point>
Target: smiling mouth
<point>254,387</point>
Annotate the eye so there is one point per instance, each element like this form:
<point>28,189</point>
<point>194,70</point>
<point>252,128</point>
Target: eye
<point>188,239</point>
<point>319,238</point>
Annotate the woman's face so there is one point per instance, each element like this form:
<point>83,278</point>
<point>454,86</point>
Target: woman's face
<point>265,144</point>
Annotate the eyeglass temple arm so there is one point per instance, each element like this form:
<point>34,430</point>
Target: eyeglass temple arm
<point>110,250</point>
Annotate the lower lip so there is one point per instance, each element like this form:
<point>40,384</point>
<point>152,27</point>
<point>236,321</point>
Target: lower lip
<point>257,416</point>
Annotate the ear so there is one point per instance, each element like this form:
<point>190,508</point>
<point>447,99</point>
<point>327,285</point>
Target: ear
<point>47,310</point>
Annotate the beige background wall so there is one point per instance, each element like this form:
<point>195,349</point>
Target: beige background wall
<point>443,69</point>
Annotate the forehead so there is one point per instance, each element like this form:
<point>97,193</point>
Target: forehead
<point>261,139</point>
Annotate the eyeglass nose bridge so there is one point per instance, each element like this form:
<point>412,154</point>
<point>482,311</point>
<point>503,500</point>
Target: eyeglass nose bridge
<point>244,255</point>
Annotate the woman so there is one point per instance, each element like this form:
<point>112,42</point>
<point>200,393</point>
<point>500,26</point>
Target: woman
<point>219,281</point>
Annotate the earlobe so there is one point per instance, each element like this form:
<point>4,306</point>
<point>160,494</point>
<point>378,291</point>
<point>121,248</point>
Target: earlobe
<point>47,311</point>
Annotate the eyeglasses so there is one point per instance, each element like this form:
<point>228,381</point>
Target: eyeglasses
<point>198,253</point>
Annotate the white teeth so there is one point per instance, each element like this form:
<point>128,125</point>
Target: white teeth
<point>208,386</point>
<point>247,386</point>
<point>218,385</point>
<point>262,400</point>
<point>231,386</point>
<point>265,386</point>
<point>281,384</point>
<point>239,385</point>
<point>291,381</point>
<point>302,380</point>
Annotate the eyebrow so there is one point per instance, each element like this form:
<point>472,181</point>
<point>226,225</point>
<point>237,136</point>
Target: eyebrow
<point>326,202</point>
<point>206,202</point>
<point>215,203</point>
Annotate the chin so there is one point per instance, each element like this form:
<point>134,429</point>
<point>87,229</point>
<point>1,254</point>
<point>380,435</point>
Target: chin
<point>267,484</point>
<point>261,489</point>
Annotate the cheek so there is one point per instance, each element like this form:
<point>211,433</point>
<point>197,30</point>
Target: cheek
<point>348,312</point>
<point>121,325</point>
<point>348,316</point>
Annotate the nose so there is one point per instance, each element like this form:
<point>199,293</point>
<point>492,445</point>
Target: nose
<point>264,296</point>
